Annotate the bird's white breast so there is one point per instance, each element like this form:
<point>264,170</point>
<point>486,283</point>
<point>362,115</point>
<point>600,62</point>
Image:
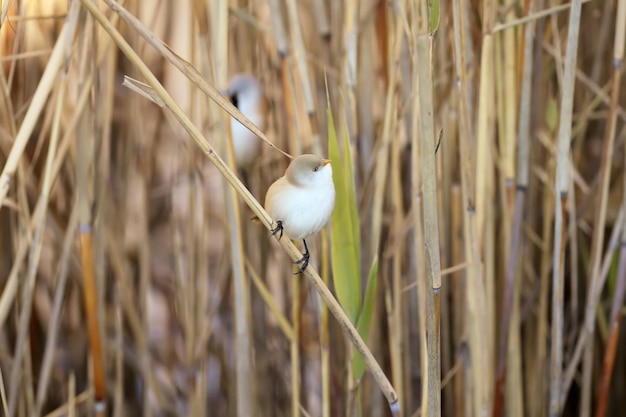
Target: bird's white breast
<point>303,211</point>
<point>245,143</point>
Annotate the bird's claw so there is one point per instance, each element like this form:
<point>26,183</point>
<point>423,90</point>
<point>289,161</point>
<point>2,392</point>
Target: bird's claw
<point>278,228</point>
<point>304,261</point>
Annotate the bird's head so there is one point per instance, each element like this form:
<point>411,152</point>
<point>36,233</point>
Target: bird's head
<point>244,92</point>
<point>309,170</point>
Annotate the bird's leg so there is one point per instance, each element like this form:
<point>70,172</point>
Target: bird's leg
<point>304,260</point>
<point>278,228</point>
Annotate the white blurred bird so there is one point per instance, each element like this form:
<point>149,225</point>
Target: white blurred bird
<point>246,94</point>
<point>302,200</point>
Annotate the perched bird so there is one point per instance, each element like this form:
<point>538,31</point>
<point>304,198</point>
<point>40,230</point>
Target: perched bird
<point>302,200</point>
<point>246,94</point>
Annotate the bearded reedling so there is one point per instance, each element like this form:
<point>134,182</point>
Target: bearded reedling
<point>245,93</point>
<point>302,200</point>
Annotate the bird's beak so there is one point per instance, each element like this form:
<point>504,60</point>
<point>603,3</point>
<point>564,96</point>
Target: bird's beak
<point>325,162</point>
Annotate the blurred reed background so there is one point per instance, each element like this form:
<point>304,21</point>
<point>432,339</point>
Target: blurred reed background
<point>132,275</point>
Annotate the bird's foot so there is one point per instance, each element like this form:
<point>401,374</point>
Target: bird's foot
<point>277,229</point>
<point>304,261</point>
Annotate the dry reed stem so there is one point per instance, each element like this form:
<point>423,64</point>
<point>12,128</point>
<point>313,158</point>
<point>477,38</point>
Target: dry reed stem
<point>620,290</point>
<point>283,323</point>
<point>3,395</point>
<point>244,375</point>
<point>49,350</point>
<point>295,349</point>
<point>85,161</point>
<point>300,56</point>
<point>10,289</point>
<point>600,217</point>
<point>610,133</point>
<point>431,222</point>
<point>5,11</point>
<point>91,304</point>
<point>396,315</point>
<point>533,17</point>
<point>518,211</point>
<point>295,147</point>
<point>616,318</point>
<point>581,341</point>
<point>562,186</point>
<point>81,398</point>
<point>598,235</point>
<point>394,297</point>
<point>71,402</point>
<point>480,401</point>
<point>324,333</point>
<point>36,246</point>
<point>118,356</point>
<point>34,110</point>
<point>507,142</point>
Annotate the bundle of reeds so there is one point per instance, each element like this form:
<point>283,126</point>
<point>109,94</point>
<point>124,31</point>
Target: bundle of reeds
<point>475,262</point>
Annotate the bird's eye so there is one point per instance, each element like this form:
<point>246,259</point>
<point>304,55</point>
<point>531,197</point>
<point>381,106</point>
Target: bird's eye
<point>317,168</point>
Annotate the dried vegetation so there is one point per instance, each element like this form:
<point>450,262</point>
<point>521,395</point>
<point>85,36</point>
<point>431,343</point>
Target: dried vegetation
<point>131,274</point>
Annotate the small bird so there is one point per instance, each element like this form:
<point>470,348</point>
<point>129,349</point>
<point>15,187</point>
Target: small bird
<point>302,200</point>
<point>246,94</point>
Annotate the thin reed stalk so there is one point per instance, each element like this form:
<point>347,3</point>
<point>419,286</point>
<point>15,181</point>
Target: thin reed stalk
<point>518,212</point>
<point>244,377</point>
<point>36,245</point>
<point>620,290</point>
<point>431,221</point>
<point>38,100</point>
<point>562,186</point>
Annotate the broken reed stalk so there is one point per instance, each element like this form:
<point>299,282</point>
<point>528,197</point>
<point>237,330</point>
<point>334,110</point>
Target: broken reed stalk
<point>234,181</point>
<point>562,185</point>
